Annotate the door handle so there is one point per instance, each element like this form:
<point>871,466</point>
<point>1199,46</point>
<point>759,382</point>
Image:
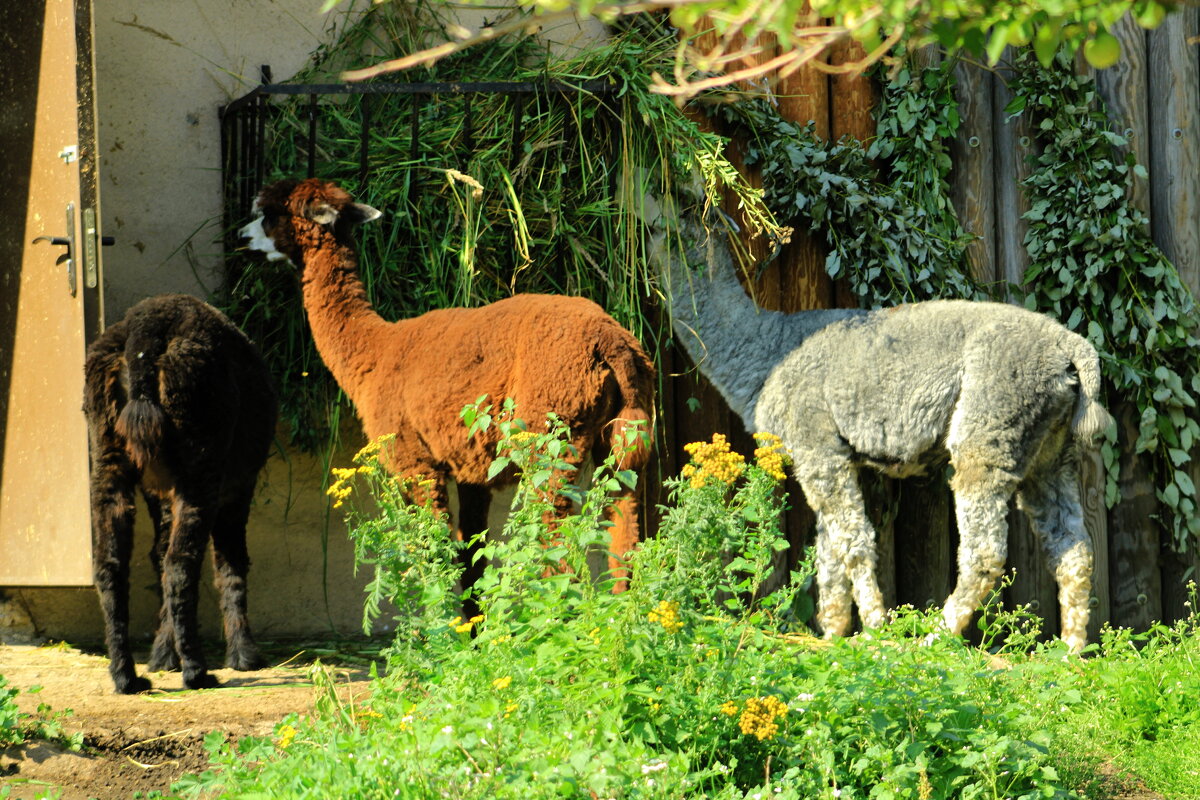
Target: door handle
<point>69,241</point>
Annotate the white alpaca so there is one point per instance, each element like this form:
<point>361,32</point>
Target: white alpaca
<point>1006,394</point>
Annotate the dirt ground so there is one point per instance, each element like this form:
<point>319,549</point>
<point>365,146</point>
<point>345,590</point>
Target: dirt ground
<point>142,743</point>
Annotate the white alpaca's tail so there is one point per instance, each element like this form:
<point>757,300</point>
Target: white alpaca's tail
<point>1091,418</point>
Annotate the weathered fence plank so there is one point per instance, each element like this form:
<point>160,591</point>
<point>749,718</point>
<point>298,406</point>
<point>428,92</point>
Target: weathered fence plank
<point>971,183</point>
<point>1175,200</point>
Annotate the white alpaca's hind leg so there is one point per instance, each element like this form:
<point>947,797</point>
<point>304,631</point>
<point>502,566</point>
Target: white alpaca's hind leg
<point>982,550</point>
<point>1053,506</point>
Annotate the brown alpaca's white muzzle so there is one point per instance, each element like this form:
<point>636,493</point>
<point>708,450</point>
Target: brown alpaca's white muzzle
<point>256,234</point>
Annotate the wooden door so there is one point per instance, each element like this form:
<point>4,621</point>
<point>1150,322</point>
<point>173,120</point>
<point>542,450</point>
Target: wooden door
<point>49,304</point>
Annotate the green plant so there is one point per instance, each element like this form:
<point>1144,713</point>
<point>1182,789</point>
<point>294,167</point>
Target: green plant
<point>694,682</point>
<point>1094,266</point>
<point>17,727</point>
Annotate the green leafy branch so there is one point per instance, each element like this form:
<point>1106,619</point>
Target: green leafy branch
<point>1094,266</point>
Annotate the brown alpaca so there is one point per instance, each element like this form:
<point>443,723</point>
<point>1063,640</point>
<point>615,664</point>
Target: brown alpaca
<point>413,377</point>
<point>179,402</point>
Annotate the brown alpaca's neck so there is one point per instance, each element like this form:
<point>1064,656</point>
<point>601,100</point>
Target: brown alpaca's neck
<point>342,320</point>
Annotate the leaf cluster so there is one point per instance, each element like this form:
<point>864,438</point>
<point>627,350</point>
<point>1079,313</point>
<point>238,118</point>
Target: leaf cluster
<point>891,233</point>
<point>1094,266</point>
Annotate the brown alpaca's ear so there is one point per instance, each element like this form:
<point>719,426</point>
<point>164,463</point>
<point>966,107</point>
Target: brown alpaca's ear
<point>358,213</point>
<point>321,213</point>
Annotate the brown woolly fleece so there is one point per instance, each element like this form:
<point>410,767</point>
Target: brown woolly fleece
<point>413,377</point>
<point>180,402</point>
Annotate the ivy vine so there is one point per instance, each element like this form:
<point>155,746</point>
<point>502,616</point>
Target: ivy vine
<point>885,214</point>
<point>1094,266</point>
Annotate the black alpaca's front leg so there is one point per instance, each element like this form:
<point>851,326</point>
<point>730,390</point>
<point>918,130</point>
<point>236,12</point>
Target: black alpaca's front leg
<point>231,563</point>
<point>163,655</point>
<point>473,503</point>
<point>112,485</point>
<point>192,521</point>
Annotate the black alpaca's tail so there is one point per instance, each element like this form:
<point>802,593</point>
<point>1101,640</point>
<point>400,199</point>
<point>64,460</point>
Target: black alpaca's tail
<point>142,422</point>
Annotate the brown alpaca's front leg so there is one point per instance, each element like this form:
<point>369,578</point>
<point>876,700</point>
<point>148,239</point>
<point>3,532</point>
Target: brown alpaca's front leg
<point>112,483</point>
<point>193,519</point>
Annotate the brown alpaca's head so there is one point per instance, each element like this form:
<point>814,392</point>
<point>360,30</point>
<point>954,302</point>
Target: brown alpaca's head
<point>294,216</point>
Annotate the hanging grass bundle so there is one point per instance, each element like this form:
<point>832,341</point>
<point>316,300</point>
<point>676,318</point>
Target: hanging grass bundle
<point>484,195</point>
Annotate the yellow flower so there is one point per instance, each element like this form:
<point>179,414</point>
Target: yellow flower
<point>759,715</point>
<point>502,683</point>
<point>286,734</point>
<point>372,448</point>
<point>666,613</point>
<point>771,455</point>
<point>594,634</point>
<point>475,620</point>
<point>729,708</point>
<point>508,709</point>
<point>712,460</point>
<point>464,628</point>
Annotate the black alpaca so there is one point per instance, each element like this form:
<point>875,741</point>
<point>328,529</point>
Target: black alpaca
<point>178,401</point>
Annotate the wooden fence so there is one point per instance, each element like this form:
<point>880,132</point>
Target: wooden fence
<point>1154,97</point>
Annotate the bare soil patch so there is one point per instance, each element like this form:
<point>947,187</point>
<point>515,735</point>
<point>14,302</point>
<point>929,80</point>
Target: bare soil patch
<point>142,743</point>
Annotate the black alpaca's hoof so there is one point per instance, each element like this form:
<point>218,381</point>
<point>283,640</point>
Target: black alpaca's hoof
<point>201,680</point>
<point>167,661</point>
<point>245,659</point>
<point>131,685</point>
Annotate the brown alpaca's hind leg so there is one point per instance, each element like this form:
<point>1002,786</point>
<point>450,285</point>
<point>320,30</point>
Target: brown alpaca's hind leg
<point>623,535</point>
<point>231,563</point>
<point>113,480</point>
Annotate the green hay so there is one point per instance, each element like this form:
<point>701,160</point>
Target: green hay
<point>550,217</point>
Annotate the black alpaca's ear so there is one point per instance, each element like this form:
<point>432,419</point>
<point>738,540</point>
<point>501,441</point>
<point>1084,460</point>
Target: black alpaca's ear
<point>358,213</point>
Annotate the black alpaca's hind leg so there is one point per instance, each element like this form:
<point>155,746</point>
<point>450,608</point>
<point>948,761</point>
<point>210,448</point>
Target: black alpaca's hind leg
<point>473,503</point>
<point>163,656</point>
<point>231,563</point>
<point>112,481</point>
<point>192,513</point>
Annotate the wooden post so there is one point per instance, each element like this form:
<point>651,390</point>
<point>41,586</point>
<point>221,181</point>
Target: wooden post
<point>1134,548</point>
<point>1123,88</point>
<point>924,561</point>
<point>804,98</point>
<point>1175,200</point>
<point>971,182</point>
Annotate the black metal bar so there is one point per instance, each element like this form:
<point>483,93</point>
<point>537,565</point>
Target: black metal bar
<point>312,135</point>
<point>364,144</point>
<point>414,129</point>
<point>598,86</point>
<point>468,126</point>
<point>245,152</point>
<point>518,128</point>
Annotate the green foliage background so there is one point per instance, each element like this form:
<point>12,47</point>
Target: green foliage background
<point>559,215</point>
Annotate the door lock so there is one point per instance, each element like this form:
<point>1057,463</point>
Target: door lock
<point>89,247</point>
